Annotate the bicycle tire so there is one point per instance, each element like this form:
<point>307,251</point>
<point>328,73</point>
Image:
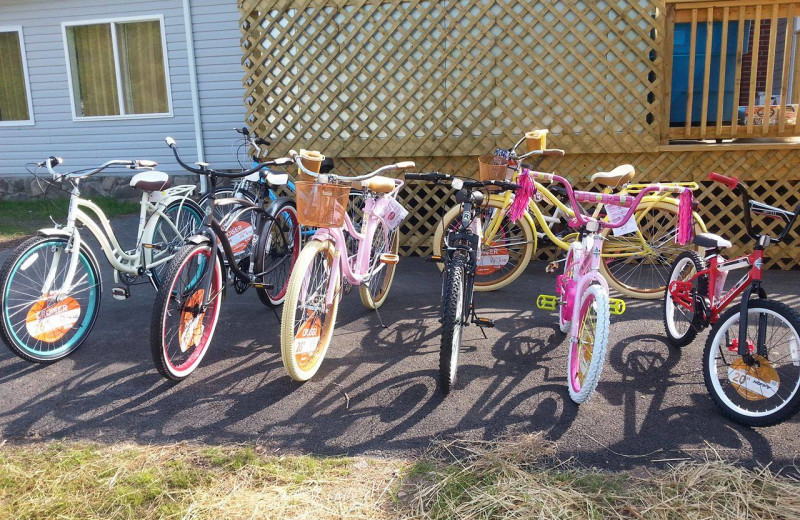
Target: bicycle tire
<point>21,256</point>
<point>725,400</point>
<point>159,342</point>
<point>524,245</point>
<point>285,246</point>
<point>675,337</point>
<point>374,300</point>
<point>584,389</point>
<point>452,323</point>
<point>175,243</point>
<point>293,352</point>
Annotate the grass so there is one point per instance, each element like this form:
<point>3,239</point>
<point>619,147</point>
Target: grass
<point>20,218</point>
<point>514,478</point>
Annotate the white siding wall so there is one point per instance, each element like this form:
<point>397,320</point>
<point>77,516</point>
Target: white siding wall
<point>87,143</point>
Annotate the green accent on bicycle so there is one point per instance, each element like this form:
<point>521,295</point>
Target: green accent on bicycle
<point>616,306</point>
<point>546,302</point>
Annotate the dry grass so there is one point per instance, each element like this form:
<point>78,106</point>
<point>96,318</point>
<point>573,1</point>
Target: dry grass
<point>521,478</point>
<point>505,479</point>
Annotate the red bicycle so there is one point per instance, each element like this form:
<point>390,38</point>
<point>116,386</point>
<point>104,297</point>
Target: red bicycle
<point>751,362</point>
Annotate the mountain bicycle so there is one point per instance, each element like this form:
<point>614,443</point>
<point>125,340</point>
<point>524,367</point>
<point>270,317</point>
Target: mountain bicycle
<point>51,283</point>
<point>751,361</point>
<point>636,259</point>
<point>326,266</point>
<point>582,298</point>
<point>187,305</point>
<point>462,254</point>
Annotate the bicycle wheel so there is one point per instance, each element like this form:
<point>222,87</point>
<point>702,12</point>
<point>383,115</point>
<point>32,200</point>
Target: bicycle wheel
<point>505,258</point>
<point>181,329</point>
<point>680,323</point>
<point>308,321</point>
<point>639,267</point>
<point>355,209</point>
<point>587,353</point>
<point>187,217</point>
<point>375,292</point>
<point>44,326</point>
<point>452,323</point>
<point>228,192</point>
<point>276,253</point>
<point>768,391</point>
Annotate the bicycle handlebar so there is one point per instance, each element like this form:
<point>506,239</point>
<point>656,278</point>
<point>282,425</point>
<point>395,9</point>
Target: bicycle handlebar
<point>403,165</point>
<point>50,162</point>
<point>205,170</point>
<point>749,206</point>
<point>576,196</point>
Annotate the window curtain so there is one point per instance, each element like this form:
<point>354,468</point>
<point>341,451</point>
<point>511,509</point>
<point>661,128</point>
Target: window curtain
<point>92,64</point>
<point>13,97</point>
<point>141,60</point>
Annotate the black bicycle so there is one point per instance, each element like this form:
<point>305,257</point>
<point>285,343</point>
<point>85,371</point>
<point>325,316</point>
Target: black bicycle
<point>462,247</point>
<point>252,246</point>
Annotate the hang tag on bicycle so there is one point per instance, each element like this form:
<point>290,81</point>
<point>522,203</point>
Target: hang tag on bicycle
<point>617,213</point>
<point>394,213</point>
<point>240,234</point>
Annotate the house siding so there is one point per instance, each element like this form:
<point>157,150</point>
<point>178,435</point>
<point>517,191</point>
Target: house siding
<point>83,144</point>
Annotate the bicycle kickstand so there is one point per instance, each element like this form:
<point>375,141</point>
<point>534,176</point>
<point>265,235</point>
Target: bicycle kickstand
<point>481,322</point>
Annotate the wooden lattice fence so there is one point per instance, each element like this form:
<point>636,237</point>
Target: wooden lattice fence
<point>440,82</point>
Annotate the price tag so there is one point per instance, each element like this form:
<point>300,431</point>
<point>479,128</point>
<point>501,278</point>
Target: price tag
<point>617,213</point>
<point>394,213</point>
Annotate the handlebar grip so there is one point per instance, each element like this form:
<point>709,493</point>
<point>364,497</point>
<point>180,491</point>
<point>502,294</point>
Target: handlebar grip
<point>55,161</point>
<point>170,142</point>
<point>144,163</point>
<point>553,152</point>
<point>405,165</point>
<point>261,141</point>
<point>730,182</point>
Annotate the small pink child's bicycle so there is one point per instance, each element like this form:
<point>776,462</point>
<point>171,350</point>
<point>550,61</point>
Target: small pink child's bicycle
<point>584,305</point>
<point>328,264</point>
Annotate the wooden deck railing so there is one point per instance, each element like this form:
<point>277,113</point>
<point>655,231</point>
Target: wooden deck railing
<point>737,49</point>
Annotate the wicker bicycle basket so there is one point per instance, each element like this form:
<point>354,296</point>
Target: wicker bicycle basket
<point>492,168</point>
<point>321,205</point>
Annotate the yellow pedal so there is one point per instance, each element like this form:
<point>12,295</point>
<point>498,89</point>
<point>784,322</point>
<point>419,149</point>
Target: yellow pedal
<point>616,306</point>
<point>546,302</point>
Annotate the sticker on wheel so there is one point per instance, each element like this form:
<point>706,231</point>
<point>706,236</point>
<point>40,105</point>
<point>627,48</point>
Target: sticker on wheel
<point>239,234</point>
<point>307,338</point>
<point>191,328</point>
<point>754,383</point>
<point>492,260</point>
<point>50,321</point>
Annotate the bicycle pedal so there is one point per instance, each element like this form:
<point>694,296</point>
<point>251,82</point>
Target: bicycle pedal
<point>157,247</point>
<point>120,293</point>
<point>616,306</point>
<point>552,267</point>
<point>546,302</point>
<point>483,322</point>
<point>267,286</point>
<point>435,259</point>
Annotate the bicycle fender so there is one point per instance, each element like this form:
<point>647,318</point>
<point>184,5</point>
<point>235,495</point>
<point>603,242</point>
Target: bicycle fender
<point>55,232</point>
<point>276,205</point>
<point>199,239</point>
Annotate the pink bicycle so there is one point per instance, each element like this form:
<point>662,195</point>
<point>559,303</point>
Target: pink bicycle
<point>330,263</point>
<point>584,305</point>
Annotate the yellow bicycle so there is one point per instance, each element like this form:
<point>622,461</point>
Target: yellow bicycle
<point>637,258</point>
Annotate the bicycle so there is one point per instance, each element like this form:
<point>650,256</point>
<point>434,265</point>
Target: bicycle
<point>461,259</point>
<point>326,266</point>
<point>751,360</point>
<point>582,296</point>
<point>51,283</point>
<point>636,263</point>
<point>187,306</point>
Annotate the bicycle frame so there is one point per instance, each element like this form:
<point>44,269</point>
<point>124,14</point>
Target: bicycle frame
<point>132,263</point>
<point>356,272</point>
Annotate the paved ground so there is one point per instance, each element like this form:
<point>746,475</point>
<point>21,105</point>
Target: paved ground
<point>376,391</point>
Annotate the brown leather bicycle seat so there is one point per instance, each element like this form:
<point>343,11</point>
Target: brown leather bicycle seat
<point>151,181</point>
<point>620,175</point>
<point>379,184</point>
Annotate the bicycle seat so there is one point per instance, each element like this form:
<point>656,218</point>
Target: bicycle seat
<point>151,181</point>
<point>620,175</point>
<point>711,241</point>
<point>379,184</point>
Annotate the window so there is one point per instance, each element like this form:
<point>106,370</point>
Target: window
<point>15,96</point>
<point>118,68</point>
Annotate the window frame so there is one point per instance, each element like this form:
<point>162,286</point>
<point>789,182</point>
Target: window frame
<point>117,70</point>
<point>30,121</point>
